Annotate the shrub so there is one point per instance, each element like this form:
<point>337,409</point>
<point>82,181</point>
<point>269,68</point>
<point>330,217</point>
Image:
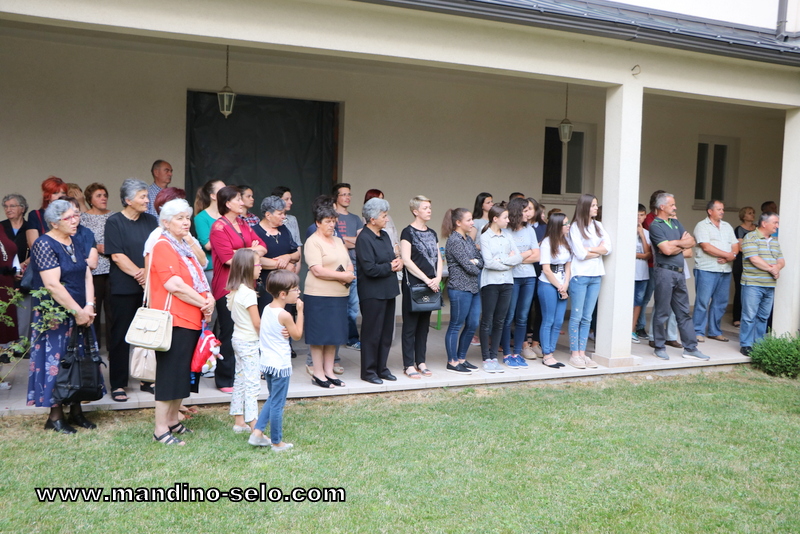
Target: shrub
<point>777,355</point>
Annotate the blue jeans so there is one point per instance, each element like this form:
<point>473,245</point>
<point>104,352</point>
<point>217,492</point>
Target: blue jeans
<point>583,292</point>
<point>553,309</point>
<point>352,313</point>
<point>648,294</point>
<point>465,310</point>
<point>272,411</point>
<point>711,301</point>
<point>756,307</point>
<point>518,312</point>
<point>639,290</point>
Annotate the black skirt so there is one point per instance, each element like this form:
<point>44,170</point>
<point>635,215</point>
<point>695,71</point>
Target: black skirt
<point>325,320</point>
<point>174,367</point>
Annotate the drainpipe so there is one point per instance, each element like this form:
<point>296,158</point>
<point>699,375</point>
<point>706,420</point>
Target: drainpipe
<point>783,9</point>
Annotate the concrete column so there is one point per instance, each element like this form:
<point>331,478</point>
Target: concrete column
<point>622,152</point>
<point>787,292</point>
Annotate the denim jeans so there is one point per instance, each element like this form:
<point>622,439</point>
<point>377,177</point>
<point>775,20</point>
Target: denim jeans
<point>711,301</point>
<point>518,311</point>
<point>553,309</point>
<point>583,292</point>
<point>639,290</point>
<point>495,299</point>
<point>465,310</point>
<point>272,411</point>
<point>756,307</point>
<point>352,313</point>
<point>648,294</point>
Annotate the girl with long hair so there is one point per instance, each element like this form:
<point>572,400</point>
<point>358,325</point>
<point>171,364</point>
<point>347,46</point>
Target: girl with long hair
<point>553,284</point>
<point>589,243</point>
<point>480,213</point>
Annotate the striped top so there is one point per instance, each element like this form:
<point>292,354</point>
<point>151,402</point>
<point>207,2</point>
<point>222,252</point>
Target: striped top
<point>766,248</point>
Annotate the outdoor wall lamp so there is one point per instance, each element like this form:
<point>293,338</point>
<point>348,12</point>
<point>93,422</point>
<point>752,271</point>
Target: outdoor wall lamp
<point>565,128</point>
<point>226,97</point>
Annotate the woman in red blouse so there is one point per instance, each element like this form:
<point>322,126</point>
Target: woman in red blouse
<point>228,234</point>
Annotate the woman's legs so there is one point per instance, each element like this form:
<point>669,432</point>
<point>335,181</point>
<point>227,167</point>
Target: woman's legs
<point>527,286</point>
<point>583,292</point>
<point>505,336</point>
<point>489,296</point>
<point>548,300</point>
<point>459,309</point>
<point>472,322</point>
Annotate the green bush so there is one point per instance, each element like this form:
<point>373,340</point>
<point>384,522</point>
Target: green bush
<point>777,355</point>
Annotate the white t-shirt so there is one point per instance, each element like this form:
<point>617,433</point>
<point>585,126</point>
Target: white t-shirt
<point>546,258</point>
<point>642,270</point>
<point>238,303</point>
<point>580,265</point>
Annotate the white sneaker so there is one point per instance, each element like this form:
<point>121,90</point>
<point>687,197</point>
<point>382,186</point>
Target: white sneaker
<point>259,441</point>
<point>281,448</point>
<point>242,429</point>
<point>589,362</point>
<point>577,362</point>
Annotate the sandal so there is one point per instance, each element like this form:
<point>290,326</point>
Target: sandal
<point>411,372</point>
<point>719,338</point>
<point>326,384</point>
<point>335,381</point>
<point>553,363</point>
<point>425,371</point>
<point>180,429</point>
<point>168,439</point>
<point>148,387</point>
<point>119,396</point>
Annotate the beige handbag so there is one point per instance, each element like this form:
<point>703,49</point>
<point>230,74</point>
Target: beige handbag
<point>143,364</point>
<point>151,328</point>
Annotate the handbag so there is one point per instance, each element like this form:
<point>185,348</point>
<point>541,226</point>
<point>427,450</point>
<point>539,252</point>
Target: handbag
<point>143,364</point>
<point>151,328</point>
<point>79,378</point>
<point>423,298</point>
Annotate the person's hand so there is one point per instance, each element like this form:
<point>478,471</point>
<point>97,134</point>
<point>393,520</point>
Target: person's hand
<point>85,315</point>
<point>285,333</point>
<point>433,283</point>
<point>283,261</point>
<point>139,276</point>
<point>208,307</point>
<point>299,305</point>
<point>349,276</point>
<point>254,244</point>
<point>397,264</point>
<point>101,248</point>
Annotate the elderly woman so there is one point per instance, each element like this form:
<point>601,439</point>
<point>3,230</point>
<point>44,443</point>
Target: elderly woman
<point>125,235</point>
<point>52,189</point>
<point>228,234</point>
<point>419,249</point>
<point>14,227</point>
<point>60,267</point>
<point>96,196</point>
<point>330,273</point>
<point>282,250</point>
<point>377,289</point>
<point>176,273</point>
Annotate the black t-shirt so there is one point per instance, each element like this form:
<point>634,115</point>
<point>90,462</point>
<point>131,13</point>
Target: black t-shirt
<point>124,236</point>
<point>424,251</point>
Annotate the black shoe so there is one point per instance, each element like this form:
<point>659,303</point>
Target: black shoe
<point>294,354</point>
<point>60,426</point>
<point>148,387</point>
<point>80,420</point>
<point>373,380</point>
<point>674,343</point>
<point>746,350</point>
<point>641,332</point>
<point>469,366</point>
<point>388,376</point>
<point>458,369</point>
<point>652,344</point>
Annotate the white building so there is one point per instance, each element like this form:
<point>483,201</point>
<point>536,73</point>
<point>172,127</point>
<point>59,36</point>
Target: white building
<point>445,98</point>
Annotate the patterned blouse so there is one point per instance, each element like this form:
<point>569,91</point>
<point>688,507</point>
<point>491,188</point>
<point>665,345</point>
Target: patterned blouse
<point>97,224</point>
<point>463,273</point>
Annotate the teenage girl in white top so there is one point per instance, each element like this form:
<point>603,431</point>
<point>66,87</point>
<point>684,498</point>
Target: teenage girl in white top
<point>589,242</point>
<point>555,259</point>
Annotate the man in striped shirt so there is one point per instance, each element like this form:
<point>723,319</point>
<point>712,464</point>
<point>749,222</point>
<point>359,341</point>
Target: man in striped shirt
<point>762,262</point>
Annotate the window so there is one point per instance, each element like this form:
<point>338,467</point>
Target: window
<point>567,170</point>
<point>716,172</point>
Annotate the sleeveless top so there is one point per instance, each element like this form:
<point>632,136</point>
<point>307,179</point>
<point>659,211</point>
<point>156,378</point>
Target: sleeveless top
<point>276,353</point>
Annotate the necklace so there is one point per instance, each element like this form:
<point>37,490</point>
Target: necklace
<point>70,251</point>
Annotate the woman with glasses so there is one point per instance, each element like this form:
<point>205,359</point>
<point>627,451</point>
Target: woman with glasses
<point>282,251</point>
<point>59,266</point>
<point>14,228</point>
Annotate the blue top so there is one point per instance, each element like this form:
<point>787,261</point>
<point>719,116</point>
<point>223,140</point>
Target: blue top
<point>277,245</point>
<point>525,238</point>
<point>47,253</point>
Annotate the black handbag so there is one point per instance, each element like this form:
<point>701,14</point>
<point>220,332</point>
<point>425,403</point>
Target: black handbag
<point>423,298</point>
<point>79,377</point>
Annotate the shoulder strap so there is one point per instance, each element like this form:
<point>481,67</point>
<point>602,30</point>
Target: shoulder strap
<point>146,296</point>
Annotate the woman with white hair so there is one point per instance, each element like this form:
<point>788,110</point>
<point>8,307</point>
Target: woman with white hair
<point>282,250</point>
<point>59,266</point>
<point>177,284</point>
<point>125,234</point>
<point>377,267</point>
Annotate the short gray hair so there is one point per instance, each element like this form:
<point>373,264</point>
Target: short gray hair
<point>20,200</point>
<point>272,204</point>
<point>661,199</point>
<point>172,208</point>
<point>766,216</point>
<point>373,208</point>
<point>57,208</point>
<point>129,188</point>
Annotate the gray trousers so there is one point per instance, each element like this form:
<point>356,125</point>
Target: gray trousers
<point>671,294</point>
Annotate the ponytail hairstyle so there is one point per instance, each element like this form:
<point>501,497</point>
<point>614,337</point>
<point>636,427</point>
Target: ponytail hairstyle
<point>555,223</point>
<point>202,199</point>
<point>582,217</point>
<point>496,211</point>
<point>477,212</point>
<point>515,208</point>
<point>242,269</point>
<point>451,218</point>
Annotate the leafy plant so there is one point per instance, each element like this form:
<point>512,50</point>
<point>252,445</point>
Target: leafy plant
<point>52,314</point>
<point>777,355</point>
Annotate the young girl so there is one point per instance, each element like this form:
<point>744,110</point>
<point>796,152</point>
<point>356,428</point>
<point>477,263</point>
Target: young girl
<point>500,255</point>
<point>641,273</point>
<point>480,214</point>
<point>589,243</point>
<point>243,304</point>
<point>553,284</point>
<point>276,355</point>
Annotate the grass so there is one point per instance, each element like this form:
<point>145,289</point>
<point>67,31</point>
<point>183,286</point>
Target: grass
<point>703,453</point>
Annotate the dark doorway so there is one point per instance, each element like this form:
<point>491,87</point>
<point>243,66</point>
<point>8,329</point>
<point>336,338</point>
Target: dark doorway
<point>264,143</point>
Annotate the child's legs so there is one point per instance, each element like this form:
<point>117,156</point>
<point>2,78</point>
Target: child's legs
<point>263,417</point>
<point>240,349</point>
<point>276,401</point>
<point>252,380</point>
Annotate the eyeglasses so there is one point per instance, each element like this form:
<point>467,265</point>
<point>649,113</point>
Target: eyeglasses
<point>71,251</point>
<point>565,224</point>
<point>5,207</point>
<point>297,289</point>
<point>72,217</point>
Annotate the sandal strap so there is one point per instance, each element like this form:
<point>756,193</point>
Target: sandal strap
<point>167,439</point>
<point>180,429</point>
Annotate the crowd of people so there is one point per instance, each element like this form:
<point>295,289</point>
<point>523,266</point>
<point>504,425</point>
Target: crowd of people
<point>509,269</point>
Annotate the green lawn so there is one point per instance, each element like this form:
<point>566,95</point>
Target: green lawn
<point>708,453</point>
